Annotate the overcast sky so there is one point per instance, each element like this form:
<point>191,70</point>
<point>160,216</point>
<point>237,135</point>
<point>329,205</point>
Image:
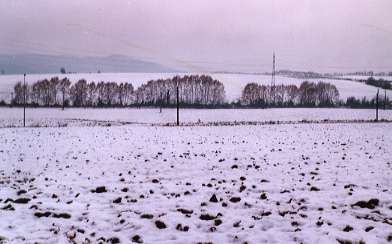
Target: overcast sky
<point>200,35</point>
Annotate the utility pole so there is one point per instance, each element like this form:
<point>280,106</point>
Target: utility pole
<point>63,96</point>
<point>377,105</point>
<point>385,98</point>
<point>178,106</point>
<point>160,102</point>
<point>24,100</point>
<point>273,79</point>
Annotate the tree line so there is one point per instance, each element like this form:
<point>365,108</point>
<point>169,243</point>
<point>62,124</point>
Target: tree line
<point>384,102</point>
<point>194,91</point>
<point>60,92</point>
<point>308,94</point>
<point>200,90</point>
<point>385,84</point>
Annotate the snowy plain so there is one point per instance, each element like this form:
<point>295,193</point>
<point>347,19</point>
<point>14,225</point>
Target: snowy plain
<point>13,117</point>
<point>118,175</point>
<point>308,183</point>
<point>234,83</point>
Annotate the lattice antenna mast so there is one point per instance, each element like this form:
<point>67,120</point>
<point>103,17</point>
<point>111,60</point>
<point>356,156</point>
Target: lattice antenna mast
<point>273,71</point>
<point>273,79</point>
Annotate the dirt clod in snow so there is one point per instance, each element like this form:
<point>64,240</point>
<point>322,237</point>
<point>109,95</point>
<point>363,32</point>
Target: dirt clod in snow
<point>235,199</point>
<point>213,198</point>
<point>207,217</point>
<point>137,239</point>
<point>371,204</point>
<point>99,189</point>
<point>160,225</point>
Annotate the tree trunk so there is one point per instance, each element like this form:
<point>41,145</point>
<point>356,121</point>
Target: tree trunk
<point>377,105</point>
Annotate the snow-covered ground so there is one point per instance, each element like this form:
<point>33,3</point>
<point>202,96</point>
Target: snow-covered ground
<point>11,117</point>
<point>234,83</point>
<point>246,184</point>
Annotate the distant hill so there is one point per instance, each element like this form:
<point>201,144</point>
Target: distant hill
<point>37,63</point>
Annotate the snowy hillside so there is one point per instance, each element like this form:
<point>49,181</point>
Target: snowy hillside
<point>11,117</point>
<point>234,83</point>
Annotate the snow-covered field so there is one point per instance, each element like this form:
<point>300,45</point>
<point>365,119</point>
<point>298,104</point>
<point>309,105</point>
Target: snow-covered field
<point>246,184</point>
<point>81,181</point>
<point>234,83</point>
<point>12,117</point>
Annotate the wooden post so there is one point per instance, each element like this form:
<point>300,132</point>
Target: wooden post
<point>385,98</point>
<point>377,105</point>
<point>178,107</point>
<point>160,102</point>
<point>63,97</point>
<point>24,100</point>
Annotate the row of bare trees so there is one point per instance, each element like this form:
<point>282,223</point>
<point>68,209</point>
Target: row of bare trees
<point>308,94</point>
<point>200,90</point>
<point>193,90</point>
<point>59,92</point>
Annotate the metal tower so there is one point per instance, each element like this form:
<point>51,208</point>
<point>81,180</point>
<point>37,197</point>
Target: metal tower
<point>273,79</point>
<point>273,71</point>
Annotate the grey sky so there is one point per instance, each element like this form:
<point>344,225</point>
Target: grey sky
<point>200,35</point>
